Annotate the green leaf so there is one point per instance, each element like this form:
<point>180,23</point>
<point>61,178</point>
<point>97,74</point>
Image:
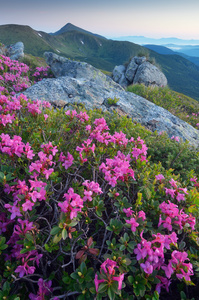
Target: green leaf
<point>114,287</point>
<point>64,234</point>
<point>122,247</point>
<point>1,175</point>
<point>155,296</point>
<point>55,230</point>
<point>83,268</point>
<point>92,290</point>
<point>29,237</point>
<point>130,279</point>
<point>3,247</point>
<point>57,238</point>
<point>139,199</point>
<point>111,294</point>
<point>102,287</point>
<point>74,276</point>
<point>2,240</point>
<point>24,250</point>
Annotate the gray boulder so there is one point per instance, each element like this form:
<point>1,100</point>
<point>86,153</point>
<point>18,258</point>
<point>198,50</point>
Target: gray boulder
<point>131,70</point>
<point>118,72</point>
<point>15,51</point>
<point>119,75</point>
<point>139,70</point>
<point>93,90</point>
<point>149,75</point>
<point>62,66</point>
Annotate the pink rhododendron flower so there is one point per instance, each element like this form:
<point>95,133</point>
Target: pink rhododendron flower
<point>44,290</point>
<point>133,224</point>
<point>128,212</point>
<point>92,187</point>
<point>72,205</point>
<point>147,267</point>
<point>159,177</point>
<point>119,279</point>
<point>45,117</point>
<point>67,161</point>
<point>108,267</point>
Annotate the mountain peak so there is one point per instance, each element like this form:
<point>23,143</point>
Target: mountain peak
<point>70,27</point>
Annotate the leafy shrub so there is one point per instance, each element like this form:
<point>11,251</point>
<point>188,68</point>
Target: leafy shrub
<point>85,214</point>
<point>111,101</point>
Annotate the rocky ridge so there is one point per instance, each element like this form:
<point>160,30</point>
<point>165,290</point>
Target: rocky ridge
<point>78,82</point>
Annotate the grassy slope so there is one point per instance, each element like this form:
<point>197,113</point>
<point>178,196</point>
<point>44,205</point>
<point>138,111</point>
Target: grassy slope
<point>33,43</point>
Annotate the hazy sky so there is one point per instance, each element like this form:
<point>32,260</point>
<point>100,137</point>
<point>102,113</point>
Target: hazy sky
<point>111,18</point>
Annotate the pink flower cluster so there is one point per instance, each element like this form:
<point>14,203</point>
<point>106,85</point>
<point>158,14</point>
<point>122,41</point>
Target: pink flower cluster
<point>45,161</point>
<point>12,75</point>
<point>92,187</point>
<point>40,73</point>
<point>86,148</point>
<point>44,290</point>
<point>23,193</point>
<point>29,258</point>
<point>139,150</point>
<point>66,160</point>
<point>82,116</point>
<point>99,132</point>
<point>172,216</point>
<point>159,177</point>
<point>195,117</point>
<point>72,205</point>
<point>15,146</point>
<point>24,268</point>
<point>140,215</point>
<point>153,251</point>
<point>117,168</point>
<point>119,138</point>
<point>108,269</point>
<point>8,107</point>
<point>175,191</point>
<point>194,179</point>
<point>178,264</point>
<point>175,138</point>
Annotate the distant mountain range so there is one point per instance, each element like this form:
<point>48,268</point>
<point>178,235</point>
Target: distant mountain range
<point>142,40</point>
<point>78,44</point>
<point>167,51</point>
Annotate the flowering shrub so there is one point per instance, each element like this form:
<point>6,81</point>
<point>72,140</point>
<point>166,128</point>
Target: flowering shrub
<point>86,214</point>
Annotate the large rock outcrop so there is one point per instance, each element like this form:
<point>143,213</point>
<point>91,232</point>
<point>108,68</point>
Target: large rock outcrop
<point>139,70</point>
<point>83,83</point>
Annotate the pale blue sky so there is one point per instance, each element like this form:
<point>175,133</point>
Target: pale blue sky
<point>111,18</point>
